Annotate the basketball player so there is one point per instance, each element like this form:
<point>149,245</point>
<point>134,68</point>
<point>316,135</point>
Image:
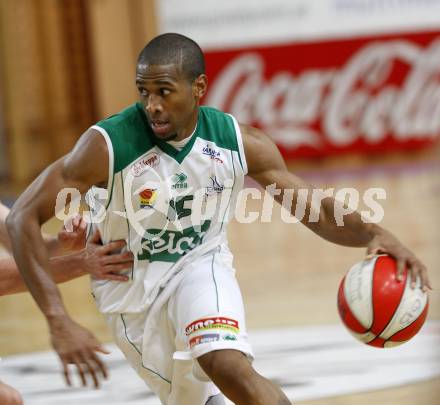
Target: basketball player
<point>180,320</point>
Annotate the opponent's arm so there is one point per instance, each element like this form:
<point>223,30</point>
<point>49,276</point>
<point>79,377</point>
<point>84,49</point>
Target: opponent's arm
<point>101,262</point>
<point>52,243</point>
<point>84,258</point>
<point>62,269</point>
<point>9,395</point>
<point>84,166</point>
<point>267,167</point>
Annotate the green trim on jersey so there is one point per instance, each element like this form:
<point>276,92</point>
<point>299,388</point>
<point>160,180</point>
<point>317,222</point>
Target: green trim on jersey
<point>208,123</point>
<point>129,135</point>
<point>210,120</point>
<point>177,155</point>
<point>132,136</point>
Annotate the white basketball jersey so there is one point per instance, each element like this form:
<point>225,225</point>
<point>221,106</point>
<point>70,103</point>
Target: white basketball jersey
<point>169,205</point>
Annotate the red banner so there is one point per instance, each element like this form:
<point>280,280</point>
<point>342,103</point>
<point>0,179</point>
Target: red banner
<point>319,98</point>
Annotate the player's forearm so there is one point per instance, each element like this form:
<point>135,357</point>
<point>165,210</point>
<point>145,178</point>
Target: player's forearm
<point>342,228</point>
<point>51,242</point>
<point>11,280</point>
<point>32,259</point>
<point>327,217</point>
<point>62,269</point>
<point>67,267</point>
<point>53,245</point>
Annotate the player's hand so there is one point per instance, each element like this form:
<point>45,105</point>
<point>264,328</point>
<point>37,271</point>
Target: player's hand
<point>385,242</point>
<point>76,345</point>
<point>73,237</point>
<point>105,262</point>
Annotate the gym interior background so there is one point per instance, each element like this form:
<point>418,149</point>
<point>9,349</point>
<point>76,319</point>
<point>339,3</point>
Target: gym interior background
<point>326,78</point>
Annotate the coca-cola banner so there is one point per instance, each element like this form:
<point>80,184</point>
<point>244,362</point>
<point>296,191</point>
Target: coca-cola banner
<point>319,98</point>
<point>341,76</point>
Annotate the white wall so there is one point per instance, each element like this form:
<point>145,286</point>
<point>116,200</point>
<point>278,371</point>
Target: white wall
<point>236,23</point>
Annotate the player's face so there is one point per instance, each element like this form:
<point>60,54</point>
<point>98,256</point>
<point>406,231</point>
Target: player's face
<point>170,100</point>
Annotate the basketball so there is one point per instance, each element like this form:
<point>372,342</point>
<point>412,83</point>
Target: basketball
<point>378,309</point>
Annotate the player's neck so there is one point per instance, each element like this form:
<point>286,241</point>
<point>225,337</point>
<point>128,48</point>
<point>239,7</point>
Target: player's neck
<point>189,131</point>
<point>179,145</point>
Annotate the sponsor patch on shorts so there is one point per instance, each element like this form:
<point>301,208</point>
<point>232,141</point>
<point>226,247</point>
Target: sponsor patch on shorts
<point>219,323</point>
<point>229,337</point>
<point>209,337</point>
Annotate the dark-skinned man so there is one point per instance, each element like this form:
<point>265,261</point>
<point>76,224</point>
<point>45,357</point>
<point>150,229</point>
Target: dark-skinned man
<point>169,172</point>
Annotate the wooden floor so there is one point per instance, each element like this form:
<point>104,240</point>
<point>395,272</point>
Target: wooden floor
<point>288,275</point>
<point>426,393</point>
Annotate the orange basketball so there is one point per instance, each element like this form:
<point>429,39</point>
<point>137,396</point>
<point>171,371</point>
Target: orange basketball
<point>378,309</point>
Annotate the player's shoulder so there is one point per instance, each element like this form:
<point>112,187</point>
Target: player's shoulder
<point>214,114</point>
<point>254,137</point>
<point>131,115</point>
<point>208,110</point>
<point>217,126</point>
<point>260,150</point>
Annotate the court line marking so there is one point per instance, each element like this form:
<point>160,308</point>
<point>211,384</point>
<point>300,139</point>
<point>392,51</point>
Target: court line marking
<point>309,363</point>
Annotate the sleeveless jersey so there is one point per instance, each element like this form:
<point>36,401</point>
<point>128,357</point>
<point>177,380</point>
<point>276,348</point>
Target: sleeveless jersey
<point>171,206</point>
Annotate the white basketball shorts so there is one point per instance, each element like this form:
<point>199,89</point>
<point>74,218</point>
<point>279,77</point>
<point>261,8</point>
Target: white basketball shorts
<point>204,313</point>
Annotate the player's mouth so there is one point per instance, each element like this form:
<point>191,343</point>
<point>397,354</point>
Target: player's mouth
<point>160,127</point>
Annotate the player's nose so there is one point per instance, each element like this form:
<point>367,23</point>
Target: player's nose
<point>154,105</point>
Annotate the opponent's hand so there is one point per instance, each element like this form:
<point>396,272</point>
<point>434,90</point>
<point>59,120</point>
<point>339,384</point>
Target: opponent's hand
<point>73,237</point>
<point>9,395</point>
<point>76,345</point>
<point>105,262</point>
<point>385,242</point>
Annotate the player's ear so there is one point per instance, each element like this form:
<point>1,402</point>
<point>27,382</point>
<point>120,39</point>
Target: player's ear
<point>200,85</point>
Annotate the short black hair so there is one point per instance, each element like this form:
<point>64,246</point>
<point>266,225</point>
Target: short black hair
<point>171,48</point>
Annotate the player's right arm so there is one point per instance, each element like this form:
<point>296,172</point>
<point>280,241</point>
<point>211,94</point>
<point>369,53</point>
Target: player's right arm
<point>267,167</point>
<point>86,165</point>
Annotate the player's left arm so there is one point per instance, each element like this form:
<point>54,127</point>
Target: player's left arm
<point>55,245</point>
<point>267,167</point>
<point>101,262</point>
<point>71,257</point>
<point>63,268</point>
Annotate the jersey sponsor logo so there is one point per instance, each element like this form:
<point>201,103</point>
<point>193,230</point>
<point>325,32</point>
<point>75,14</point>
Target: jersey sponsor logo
<point>215,187</point>
<point>147,198</point>
<point>208,338</point>
<point>212,153</point>
<point>170,246</point>
<point>146,163</point>
<point>213,323</point>
<point>229,338</point>
<point>179,180</point>
<point>178,207</point>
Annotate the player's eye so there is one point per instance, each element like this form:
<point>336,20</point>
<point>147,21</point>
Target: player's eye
<point>165,92</point>
<point>143,92</point>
